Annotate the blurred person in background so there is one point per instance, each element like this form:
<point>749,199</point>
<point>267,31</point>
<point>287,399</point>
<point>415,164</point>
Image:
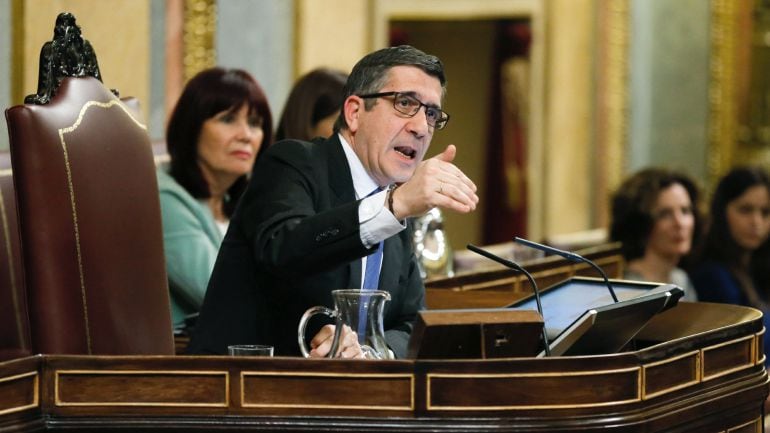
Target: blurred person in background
<point>219,126</point>
<point>313,105</point>
<point>734,264</point>
<point>655,217</point>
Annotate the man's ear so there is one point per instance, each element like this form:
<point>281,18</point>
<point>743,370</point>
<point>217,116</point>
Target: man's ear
<point>353,106</point>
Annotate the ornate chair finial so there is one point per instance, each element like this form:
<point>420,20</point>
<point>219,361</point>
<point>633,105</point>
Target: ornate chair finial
<point>66,55</point>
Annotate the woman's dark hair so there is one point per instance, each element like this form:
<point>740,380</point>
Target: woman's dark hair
<point>210,92</point>
<point>315,96</point>
<point>632,205</point>
<point>719,245</point>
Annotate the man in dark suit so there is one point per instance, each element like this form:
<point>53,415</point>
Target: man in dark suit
<point>315,214</point>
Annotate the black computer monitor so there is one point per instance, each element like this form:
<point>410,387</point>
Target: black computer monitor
<point>581,318</point>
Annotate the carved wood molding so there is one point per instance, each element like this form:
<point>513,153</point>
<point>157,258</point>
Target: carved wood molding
<point>722,107</point>
<point>200,25</point>
<point>612,102</point>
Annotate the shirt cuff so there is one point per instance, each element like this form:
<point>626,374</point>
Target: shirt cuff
<point>377,223</point>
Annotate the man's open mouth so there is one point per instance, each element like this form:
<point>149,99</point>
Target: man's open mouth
<point>406,151</point>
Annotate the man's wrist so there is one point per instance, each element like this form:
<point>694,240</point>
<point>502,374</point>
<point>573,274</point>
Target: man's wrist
<point>389,199</point>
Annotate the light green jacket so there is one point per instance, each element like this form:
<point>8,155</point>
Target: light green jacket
<point>191,241</point>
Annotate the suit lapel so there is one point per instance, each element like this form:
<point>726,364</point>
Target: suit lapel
<point>341,186</point>
<point>390,260</point>
<point>340,179</point>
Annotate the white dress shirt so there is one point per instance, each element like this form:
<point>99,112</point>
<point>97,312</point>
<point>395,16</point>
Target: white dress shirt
<point>376,220</point>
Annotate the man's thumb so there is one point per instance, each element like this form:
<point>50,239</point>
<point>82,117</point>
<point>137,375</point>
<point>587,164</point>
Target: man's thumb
<point>448,155</point>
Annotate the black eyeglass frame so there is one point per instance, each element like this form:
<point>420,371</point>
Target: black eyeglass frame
<point>443,120</point>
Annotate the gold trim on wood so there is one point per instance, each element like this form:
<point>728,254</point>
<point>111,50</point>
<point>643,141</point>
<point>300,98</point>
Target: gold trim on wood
<point>759,356</point>
<point>298,34</point>
<point>36,392</point>
<point>513,281</point>
<point>200,25</point>
<point>430,376</point>
<point>750,363</point>
<point>68,168</point>
<point>610,260</point>
<point>17,65</point>
<point>58,401</point>
<point>723,120</point>
<point>568,270</point>
<point>698,375</point>
<point>617,90</point>
<point>332,375</point>
<point>757,423</point>
<point>612,102</point>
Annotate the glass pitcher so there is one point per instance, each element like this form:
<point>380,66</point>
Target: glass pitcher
<point>362,311</point>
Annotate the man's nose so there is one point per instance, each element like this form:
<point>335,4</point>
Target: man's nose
<point>418,124</point>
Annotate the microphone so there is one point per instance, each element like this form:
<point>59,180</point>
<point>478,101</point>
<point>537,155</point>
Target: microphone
<point>516,267</point>
<point>569,256</point>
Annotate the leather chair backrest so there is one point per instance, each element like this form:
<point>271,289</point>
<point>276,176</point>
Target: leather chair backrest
<point>90,225</point>
<point>14,322</point>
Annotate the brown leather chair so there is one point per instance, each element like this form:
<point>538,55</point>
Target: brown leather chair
<point>90,225</point>
<point>14,322</point>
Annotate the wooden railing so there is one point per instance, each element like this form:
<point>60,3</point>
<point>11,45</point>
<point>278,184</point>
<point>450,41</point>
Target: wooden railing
<point>700,370</point>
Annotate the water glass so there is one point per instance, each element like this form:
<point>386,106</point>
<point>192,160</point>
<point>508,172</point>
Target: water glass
<point>250,350</point>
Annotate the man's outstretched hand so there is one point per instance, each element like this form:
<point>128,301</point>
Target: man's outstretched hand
<point>436,183</point>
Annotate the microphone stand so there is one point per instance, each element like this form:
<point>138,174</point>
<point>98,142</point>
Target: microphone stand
<point>569,256</point>
<point>516,267</point>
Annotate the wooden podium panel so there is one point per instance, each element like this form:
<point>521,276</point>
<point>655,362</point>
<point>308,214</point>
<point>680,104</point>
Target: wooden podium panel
<point>698,369</point>
<point>475,334</point>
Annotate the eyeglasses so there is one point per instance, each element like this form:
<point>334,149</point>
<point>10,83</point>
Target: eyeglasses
<point>407,104</point>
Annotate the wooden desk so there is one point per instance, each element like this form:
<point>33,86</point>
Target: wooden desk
<point>701,369</point>
<point>498,286</point>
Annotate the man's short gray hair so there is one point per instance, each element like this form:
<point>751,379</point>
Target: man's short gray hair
<point>370,74</point>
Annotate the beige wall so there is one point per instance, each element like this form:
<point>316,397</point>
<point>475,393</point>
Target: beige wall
<point>336,33</point>
<point>567,194</point>
<point>118,30</point>
<point>331,33</point>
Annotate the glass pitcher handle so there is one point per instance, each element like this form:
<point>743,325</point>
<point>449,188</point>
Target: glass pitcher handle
<point>312,311</point>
